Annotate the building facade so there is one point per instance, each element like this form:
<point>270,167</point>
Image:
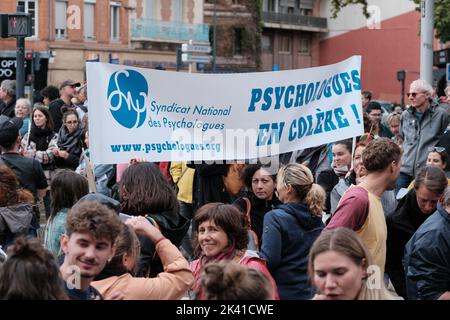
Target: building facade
<point>237,34</point>
<point>389,41</point>
<point>67,33</point>
<point>291,34</point>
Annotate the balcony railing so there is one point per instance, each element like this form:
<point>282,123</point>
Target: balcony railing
<point>148,29</point>
<point>295,19</point>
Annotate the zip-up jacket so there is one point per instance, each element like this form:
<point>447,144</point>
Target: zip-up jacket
<point>418,136</point>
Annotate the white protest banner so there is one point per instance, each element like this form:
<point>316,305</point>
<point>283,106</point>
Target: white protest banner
<point>164,116</point>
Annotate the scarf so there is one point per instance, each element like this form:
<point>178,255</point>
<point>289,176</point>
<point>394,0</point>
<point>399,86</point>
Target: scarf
<point>227,254</point>
<point>340,171</point>
<point>71,142</point>
<point>41,137</point>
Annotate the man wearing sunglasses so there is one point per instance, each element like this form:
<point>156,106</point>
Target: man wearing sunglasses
<point>422,125</point>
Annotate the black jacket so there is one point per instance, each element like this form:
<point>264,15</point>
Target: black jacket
<point>427,258</point>
<point>327,179</point>
<point>401,225</point>
<point>208,184</point>
<point>173,226</point>
<point>7,109</point>
<point>258,210</point>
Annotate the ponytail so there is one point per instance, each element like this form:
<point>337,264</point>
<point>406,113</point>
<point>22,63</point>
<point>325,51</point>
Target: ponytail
<point>315,200</point>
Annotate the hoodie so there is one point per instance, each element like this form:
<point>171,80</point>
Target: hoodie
<point>14,220</point>
<point>288,234</point>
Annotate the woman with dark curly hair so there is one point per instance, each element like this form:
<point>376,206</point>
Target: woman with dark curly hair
<point>220,234</point>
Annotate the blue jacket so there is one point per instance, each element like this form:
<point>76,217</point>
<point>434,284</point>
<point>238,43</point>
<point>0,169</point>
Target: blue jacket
<point>427,258</point>
<point>288,234</point>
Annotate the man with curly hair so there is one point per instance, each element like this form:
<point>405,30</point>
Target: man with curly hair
<point>88,244</point>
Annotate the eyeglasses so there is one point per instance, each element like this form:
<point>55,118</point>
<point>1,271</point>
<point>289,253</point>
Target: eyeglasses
<point>72,122</point>
<point>436,149</point>
<point>413,94</point>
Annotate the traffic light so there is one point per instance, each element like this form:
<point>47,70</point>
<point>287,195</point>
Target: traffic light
<point>19,25</point>
<point>401,75</point>
<point>35,59</point>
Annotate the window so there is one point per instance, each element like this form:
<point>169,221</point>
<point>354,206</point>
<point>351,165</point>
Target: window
<point>285,44</point>
<point>237,42</point>
<point>270,5</point>
<point>88,20</point>
<point>61,19</point>
<point>266,44</point>
<point>306,12</point>
<point>30,6</point>
<point>305,44</point>
<point>115,20</point>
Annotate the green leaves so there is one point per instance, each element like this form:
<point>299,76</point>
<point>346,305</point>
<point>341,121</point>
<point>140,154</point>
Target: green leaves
<point>441,14</point>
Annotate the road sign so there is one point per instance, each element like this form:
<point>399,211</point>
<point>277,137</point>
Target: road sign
<point>186,57</point>
<point>195,48</point>
<point>448,72</point>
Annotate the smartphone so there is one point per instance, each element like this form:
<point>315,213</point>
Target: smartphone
<point>124,217</point>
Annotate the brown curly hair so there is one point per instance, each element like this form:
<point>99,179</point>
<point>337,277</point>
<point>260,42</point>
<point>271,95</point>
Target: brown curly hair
<point>10,192</point>
<point>93,218</point>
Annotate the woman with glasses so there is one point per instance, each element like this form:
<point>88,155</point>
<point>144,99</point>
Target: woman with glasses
<point>23,110</point>
<point>290,230</point>
<point>70,138</point>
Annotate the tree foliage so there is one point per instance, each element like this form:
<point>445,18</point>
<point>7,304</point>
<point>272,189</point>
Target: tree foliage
<point>441,14</point>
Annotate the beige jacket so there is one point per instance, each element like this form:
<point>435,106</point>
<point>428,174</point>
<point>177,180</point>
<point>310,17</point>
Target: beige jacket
<point>171,284</point>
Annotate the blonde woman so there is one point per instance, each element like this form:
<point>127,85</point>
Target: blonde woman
<point>291,228</point>
<point>341,268</point>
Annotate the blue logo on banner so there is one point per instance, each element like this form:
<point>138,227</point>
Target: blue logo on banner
<point>127,96</point>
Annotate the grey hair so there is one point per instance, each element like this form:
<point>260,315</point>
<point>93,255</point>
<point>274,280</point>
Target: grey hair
<point>26,102</point>
<point>9,86</point>
<point>424,86</point>
<point>446,197</point>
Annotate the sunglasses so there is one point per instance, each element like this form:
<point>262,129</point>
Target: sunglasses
<point>71,122</point>
<point>436,149</point>
<point>413,94</point>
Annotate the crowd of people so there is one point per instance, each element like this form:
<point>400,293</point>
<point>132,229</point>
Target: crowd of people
<point>367,219</point>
